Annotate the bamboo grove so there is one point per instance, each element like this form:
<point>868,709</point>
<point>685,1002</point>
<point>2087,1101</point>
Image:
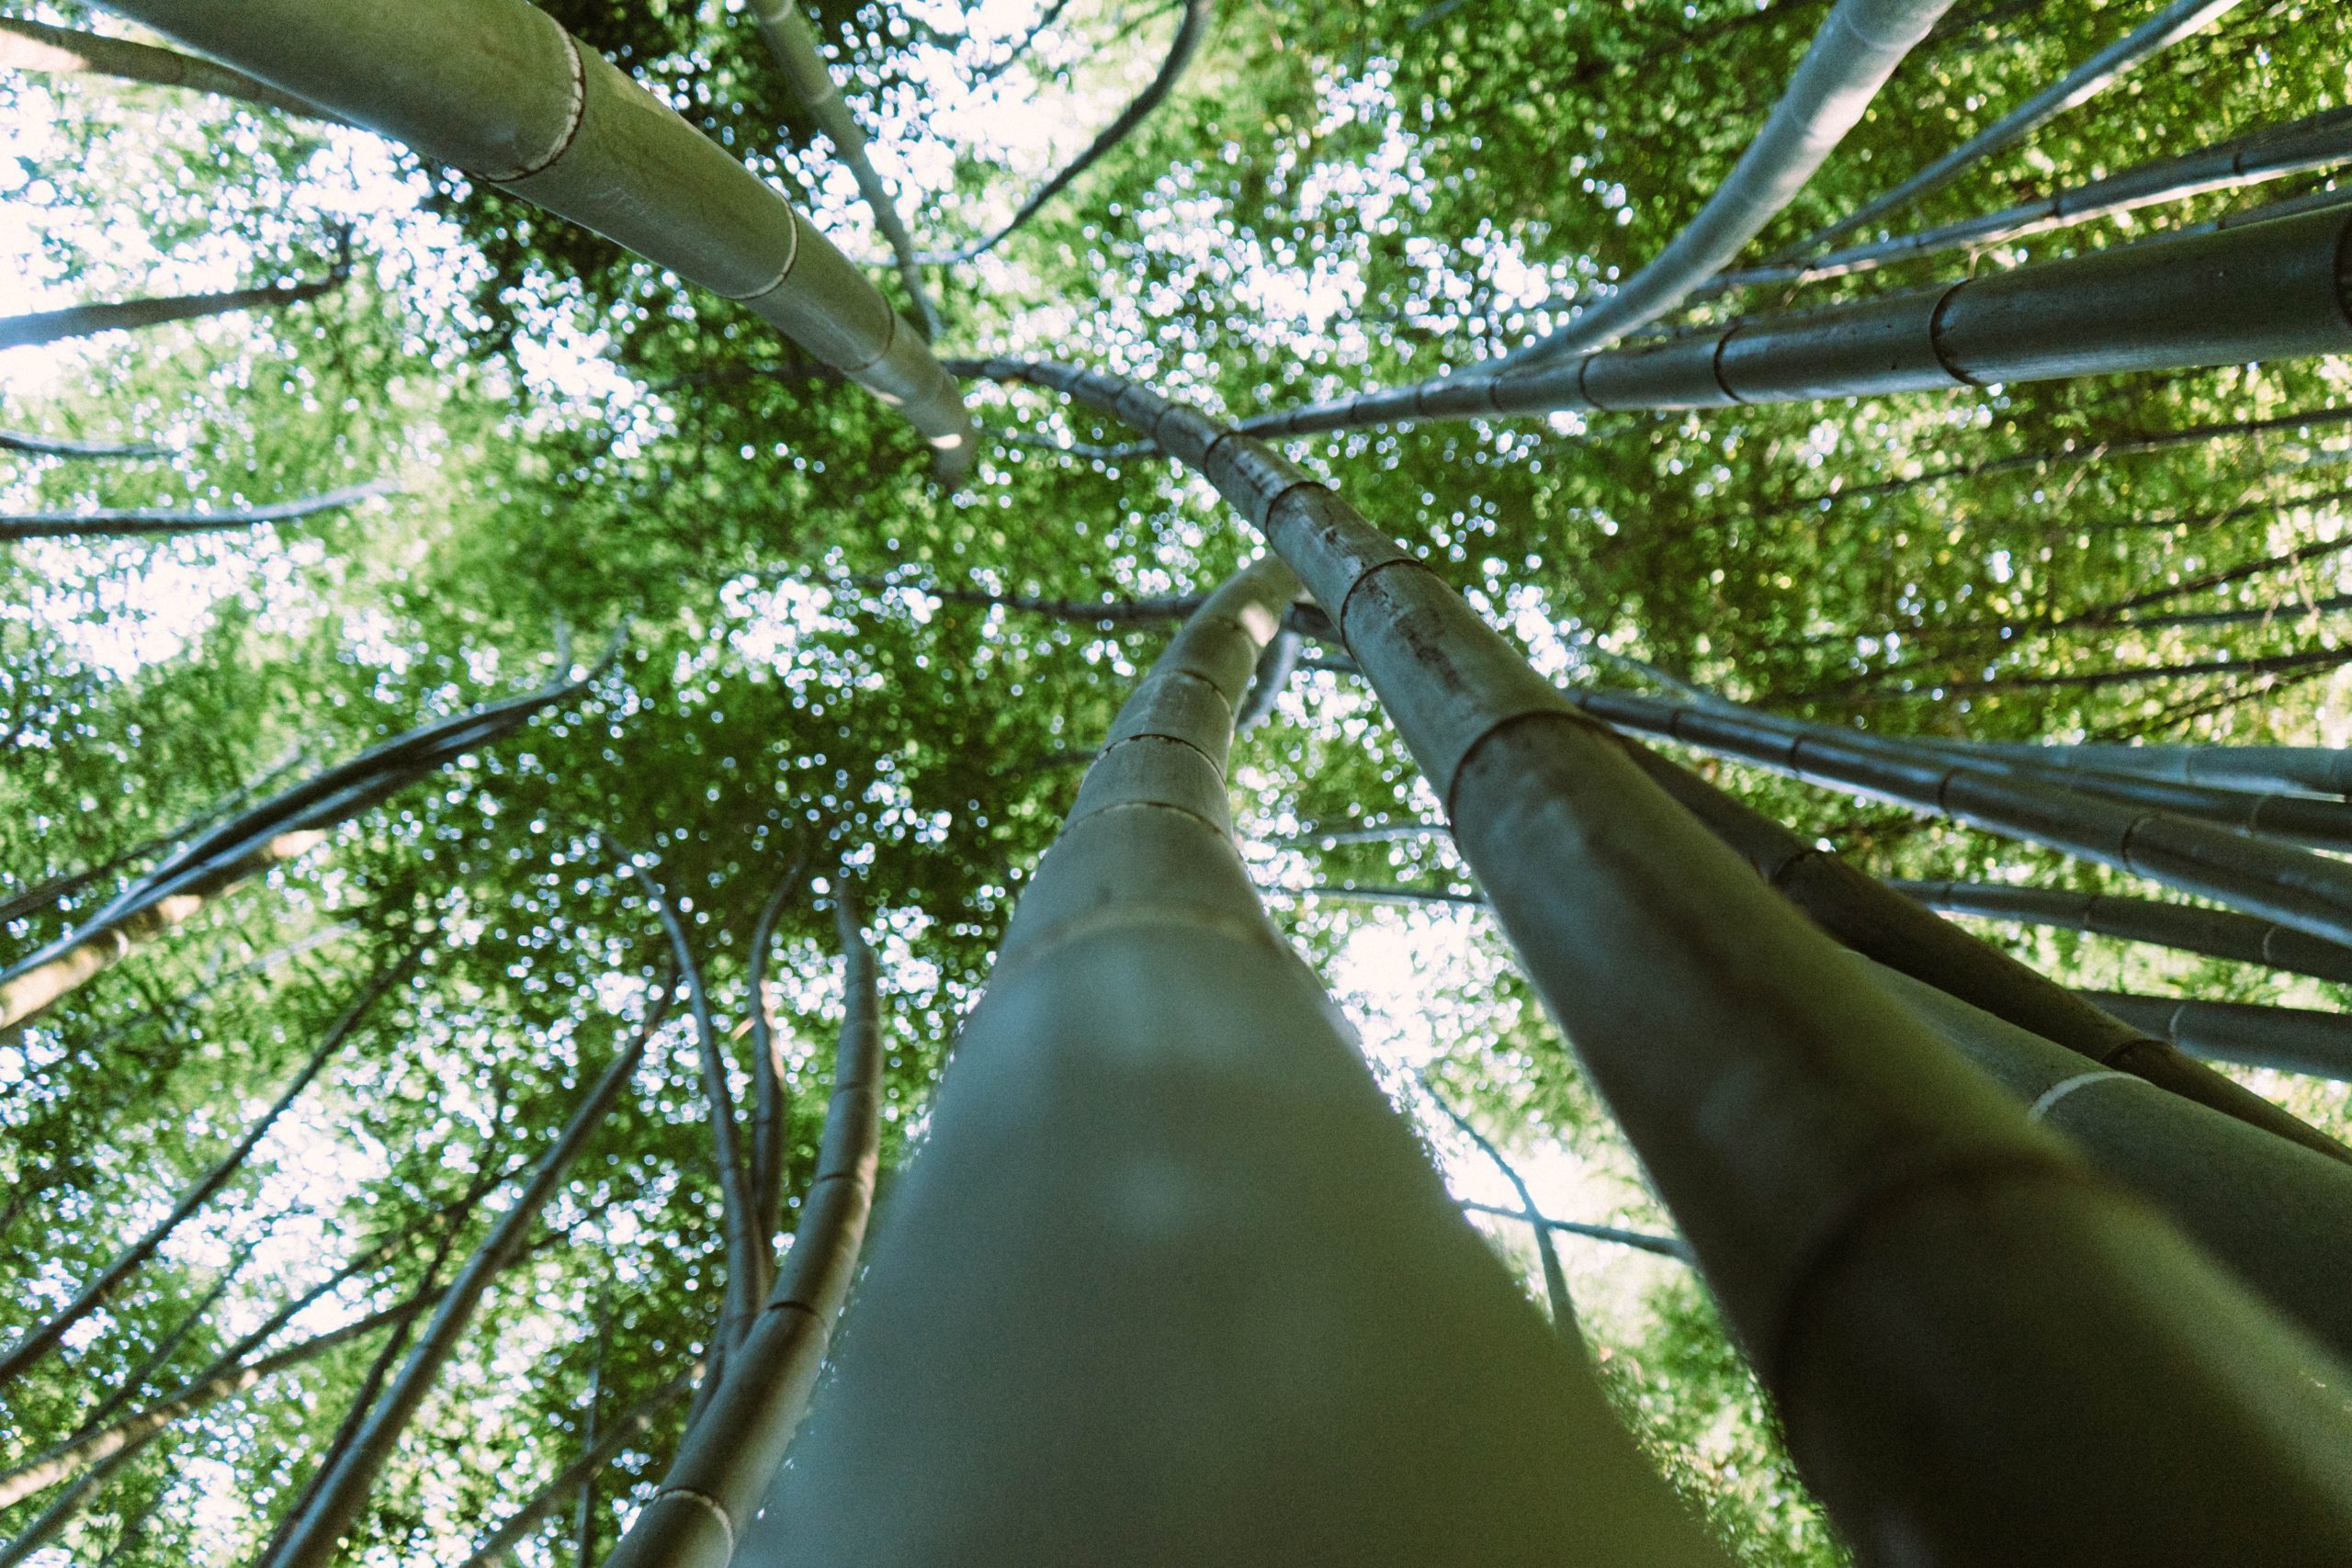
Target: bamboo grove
<point>1097,781</point>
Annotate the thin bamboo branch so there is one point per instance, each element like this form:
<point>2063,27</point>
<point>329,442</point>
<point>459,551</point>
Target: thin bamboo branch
<point>58,446</point>
<point>136,1381</point>
<point>2180,19</point>
<point>1103,612</point>
<point>615,1436</point>
<point>1555,1279</point>
<point>108,522</point>
<point>500,89</point>
<point>768,1129</point>
<point>313,1540</point>
<point>1191,30</point>
<point>1052,14</point>
<point>128,315</point>
<point>1886,1234</point>
<point>1640,1241</point>
<point>39,1340</point>
<point>2100,680</point>
<point>27,45</point>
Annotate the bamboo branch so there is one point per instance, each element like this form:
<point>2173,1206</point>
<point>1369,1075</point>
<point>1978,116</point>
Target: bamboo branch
<point>59,447</point>
<point>128,315</point>
<point>1640,1241</point>
<point>27,45</point>
<point>1555,1279</point>
<point>617,1435</point>
<point>107,522</point>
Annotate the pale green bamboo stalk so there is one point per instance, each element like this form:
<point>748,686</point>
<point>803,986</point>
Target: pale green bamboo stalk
<point>39,1340</point>
<point>615,1436</point>
<point>733,1446</point>
<point>315,1539</point>
<point>27,45</point>
<point>1169,1263</point>
<point>794,44</point>
<point>500,90</point>
<point>2188,928</point>
<point>1848,62</point>
<point>2318,770</point>
<point>768,1128</point>
<point>103,522</point>
<point>2144,306</point>
<point>2288,1040</point>
<point>128,315</point>
<point>2180,19</point>
<point>1909,1263</point>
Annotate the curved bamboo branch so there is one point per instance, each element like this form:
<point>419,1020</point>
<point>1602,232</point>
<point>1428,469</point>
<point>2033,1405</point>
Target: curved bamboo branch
<point>500,89</point>
<point>768,1129</point>
<point>59,447</point>
<point>1555,1279</point>
<point>733,1446</point>
<point>27,45</point>
<point>111,522</point>
<point>1191,30</point>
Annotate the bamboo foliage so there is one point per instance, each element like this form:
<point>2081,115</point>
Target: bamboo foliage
<point>36,47</point>
<point>500,90</point>
<point>1909,1262</point>
<point>733,1446</point>
<point>1851,58</point>
<point>1159,1177</point>
<point>2146,306</point>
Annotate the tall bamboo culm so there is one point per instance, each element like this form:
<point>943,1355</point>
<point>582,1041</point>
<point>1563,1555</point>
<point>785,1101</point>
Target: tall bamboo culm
<point>1982,1352</point>
<point>1169,1281</point>
<point>2188,928</point>
<point>499,88</point>
<point>734,1444</point>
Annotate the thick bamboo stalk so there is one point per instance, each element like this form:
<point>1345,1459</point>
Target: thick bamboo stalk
<point>1171,1281</point>
<point>2180,19</point>
<point>39,1340</point>
<point>1850,60</point>
<point>2279,1216</point>
<point>128,315</point>
<point>59,447</point>
<point>1982,1352</point>
<point>2315,141</point>
<point>500,90</point>
<point>2288,1040</point>
<point>1555,1279</point>
<point>2263,291</point>
<point>794,44</point>
<point>732,1448</point>
<point>113,523</point>
<point>1191,31</point>
<point>610,1439</point>
<point>27,45</point>
<point>2306,892</point>
<point>2187,928</point>
<point>314,1541</point>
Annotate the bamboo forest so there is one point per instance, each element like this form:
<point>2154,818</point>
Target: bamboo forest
<point>1516,782</point>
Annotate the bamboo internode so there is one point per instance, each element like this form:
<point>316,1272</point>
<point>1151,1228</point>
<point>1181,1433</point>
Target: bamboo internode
<point>1169,1281</point>
<point>2263,291</point>
<point>1982,1352</point>
<point>502,91</point>
<point>2290,1040</point>
<point>2217,933</point>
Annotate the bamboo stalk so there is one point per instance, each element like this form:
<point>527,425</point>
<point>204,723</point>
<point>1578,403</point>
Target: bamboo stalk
<point>733,1446</point>
<point>128,315</point>
<point>2180,19</point>
<point>767,1076</point>
<point>2315,141</point>
<point>1912,1267</point>
<point>2217,933</point>
<point>2288,1040</point>
<point>500,90</point>
<point>1275,666</point>
<point>1191,31</point>
<point>1159,1177</point>
<point>794,44</point>
<point>615,1436</point>
<point>38,1341</point>
<point>113,523</point>
<point>58,446</point>
<point>315,1539</point>
<point>27,45</point>
<point>2145,306</point>
<point>1849,61</point>
<point>2318,770</point>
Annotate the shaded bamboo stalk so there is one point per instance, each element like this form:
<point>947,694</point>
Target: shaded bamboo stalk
<point>1850,60</point>
<point>1191,30</point>
<point>59,446</point>
<point>1640,1241</point>
<point>733,1446</point>
<point>2144,306</point>
<point>2315,141</point>
<point>315,1538</point>
<point>794,44</point>
<point>2287,1040</point>
<point>2317,770</point>
<point>2180,19</point>
<point>38,1341</point>
<point>1887,1236</point>
<point>611,1438</point>
<point>128,315</point>
<point>27,45</point>
<point>2279,1216</point>
<point>114,523</point>
<point>500,89</point>
<point>736,1205</point>
<point>2216,933</point>
<point>1158,1176</point>
<point>1275,666</point>
<point>768,1128</point>
<point>1555,1279</point>
<point>136,1381</point>
<point>285,826</point>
